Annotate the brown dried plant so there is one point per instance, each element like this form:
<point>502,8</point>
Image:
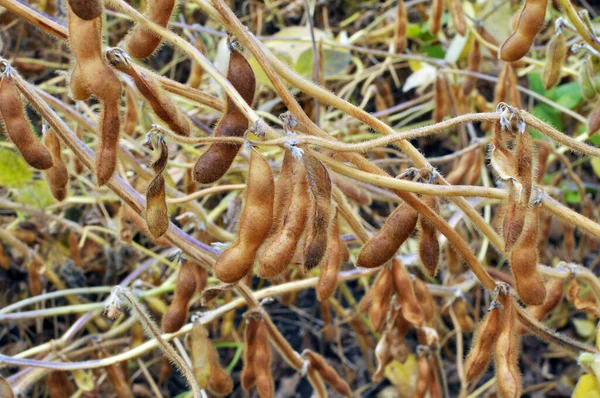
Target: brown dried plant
<point>329,199</point>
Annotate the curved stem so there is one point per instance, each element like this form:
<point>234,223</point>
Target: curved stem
<point>551,336</point>
<point>207,191</point>
<point>584,32</point>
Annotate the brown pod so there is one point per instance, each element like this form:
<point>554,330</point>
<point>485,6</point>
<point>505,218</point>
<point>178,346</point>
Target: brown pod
<point>514,219</point>
<point>506,355</point>
<point>556,53</point>
<point>594,121</point>
<point>196,71</point>
<point>513,90</point>
<point>283,190</point>
<point>328,373</point>
<point>326,317</point>
<point>524,260</point>
<point>91,71</point>
<point>106,156</point>
<point>257,360</point>
<point>440,99</point>
<point>530,23</point>
<point>58,385</point>
<point>328,279</point>
<point>57,176</point>
<point>453,261</point>
<point>201,349</point>
<point>474,174</point>
<point>162,105</point>
<point>17,125</point>
<point>315,245</point>
<point>185,287</point>
<point>484,339</point>
<point>216,160</point>
<point>425,300</point>
<point>248,376</point>
<point>79,167</point>
<point>79,89</point>
<point>524,160</point>
<point>219,382</point>
<point>4,260</point>
<point>429,245</point>
<point>383,356</point>
<point>279,250</point>
<point>472,66</point>
<point>74,251</point>
<point>86,9</point>
<point>587,303</point>
<point>459,172</point>
<point>423,376</point>
<point>458,16</point>
<point>381,294</point>
<point>384,245</point>
<point>400,28</point>
<point>141,42</point>
<point>131,113</point>
<point>34,276</point>
<point>555,293</point>
<point>500,87</point>
<point>435,390</point>
<point>435,16</point>
<point>351,190</point>
<point>157,214</point>
<point>255,222</point>
<point>465,320</point>
<point>411,310</point>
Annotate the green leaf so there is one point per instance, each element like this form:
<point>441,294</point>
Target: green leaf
<point>595,162</point>
<point>568,95</point>
<point>547,114</point>
<point>584,327</point>
<point>335,62</point>
<point>595,139</point>
<point>413,30</point>
<point>536,84</point>
<point>571,197</point>
<point>35,194</point>
<point>14,171</point>
<point>436,51</point>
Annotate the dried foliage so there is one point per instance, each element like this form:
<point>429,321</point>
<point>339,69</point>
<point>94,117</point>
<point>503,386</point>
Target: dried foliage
<point>359,198</point>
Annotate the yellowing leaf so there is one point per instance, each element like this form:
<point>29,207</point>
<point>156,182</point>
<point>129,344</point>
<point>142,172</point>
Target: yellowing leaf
<point>83,380</point>
<point>294,48</point>
<point>35,194</point>
<point>415,65</point>
<point>595,162</point>
<point>584,327</point>
<point>598,336</point>
<point>14,172</point>
<point>261,77</point>
<point>403,375</point>
<point>334,62</point>
<point>500,25</point>
<point>587,387</point>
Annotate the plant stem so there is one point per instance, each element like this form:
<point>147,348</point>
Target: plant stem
<point>584,32</point>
